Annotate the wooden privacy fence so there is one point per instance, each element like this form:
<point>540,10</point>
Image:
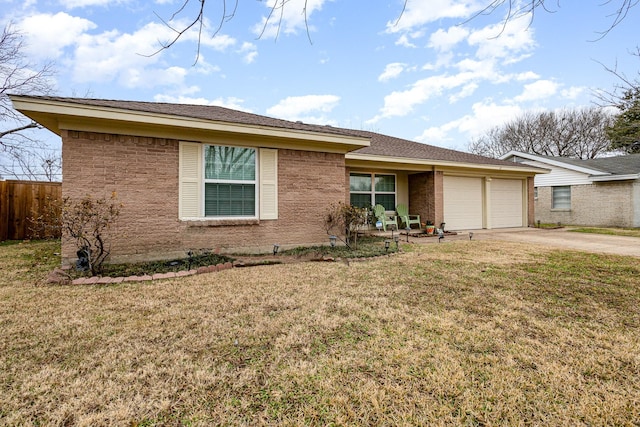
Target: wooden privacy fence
<point>21,201</point>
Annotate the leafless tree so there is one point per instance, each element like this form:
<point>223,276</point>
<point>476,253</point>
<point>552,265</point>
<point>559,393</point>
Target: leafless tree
<point>22,156</point>
<point>196,12</point>
<point>625,97</point>
<point>580,133</point>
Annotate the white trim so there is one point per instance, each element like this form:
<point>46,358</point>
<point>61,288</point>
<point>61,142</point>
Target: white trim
<point>552,162</point>
<point>254,182</point>
<point>373,191</point>
<point>430,163</point>
<point>627,177</point>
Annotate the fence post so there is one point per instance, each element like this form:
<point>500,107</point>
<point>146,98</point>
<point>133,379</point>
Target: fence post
<point>4,210</point>
<point>22,200</point>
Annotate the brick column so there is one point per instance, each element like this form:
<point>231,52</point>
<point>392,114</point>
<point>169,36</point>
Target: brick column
<point>531,214</point>
<point>426,196</point>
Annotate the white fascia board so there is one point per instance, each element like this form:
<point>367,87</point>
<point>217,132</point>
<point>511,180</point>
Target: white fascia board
<point>66,112</point>
<point>601,178</point>
<point>551,162</point>
<point>442,163</point>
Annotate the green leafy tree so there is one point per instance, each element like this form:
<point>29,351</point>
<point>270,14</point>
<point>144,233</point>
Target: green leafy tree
<point>625,132</point>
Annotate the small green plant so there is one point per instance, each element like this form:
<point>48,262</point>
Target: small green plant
<point>343,221</point>
<point>89,224</point>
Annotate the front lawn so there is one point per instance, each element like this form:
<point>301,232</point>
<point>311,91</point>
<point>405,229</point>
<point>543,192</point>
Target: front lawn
<point>459,333</point>
<point>632,232</point>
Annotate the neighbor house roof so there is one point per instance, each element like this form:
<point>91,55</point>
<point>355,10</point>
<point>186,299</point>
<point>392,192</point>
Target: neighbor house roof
<point>599,169</point>
<point>365,145</point>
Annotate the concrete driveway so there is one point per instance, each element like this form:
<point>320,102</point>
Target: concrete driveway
<point>561,238</point>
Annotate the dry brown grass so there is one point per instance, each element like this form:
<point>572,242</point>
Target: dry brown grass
<point>459,333</point>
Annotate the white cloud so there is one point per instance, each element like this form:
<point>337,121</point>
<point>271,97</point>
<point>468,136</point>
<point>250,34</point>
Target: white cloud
<point>249,51</point>
<point>504,40</point>
<point>465,92</point>
<point>445,40</point>
<point>113,55</point>
<point>124,57</point>
<point>220,42</point>
<point>401,103</point>
<point>573,92</point>
<point>297,108</point>
<point>485,115</point>
<point>391,71</point>
<point>287,18</point>
<point>47,35</point>
<point>403,40</point>
<point>230,102</point>
<point>71,4</point>
<point>421,12</point>
<point>540,89</point>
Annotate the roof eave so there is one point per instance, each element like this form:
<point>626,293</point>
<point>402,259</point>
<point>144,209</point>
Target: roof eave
<point>442,163</point>
<point>558,163</point>
<point>57,115</point>
<point>626,177</point>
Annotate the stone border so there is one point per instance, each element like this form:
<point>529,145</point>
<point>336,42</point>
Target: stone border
<point>59,276</point>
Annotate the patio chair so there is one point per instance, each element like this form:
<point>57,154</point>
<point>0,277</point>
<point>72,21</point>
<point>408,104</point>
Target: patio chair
<point>381,215</point>
<point>406,218</point>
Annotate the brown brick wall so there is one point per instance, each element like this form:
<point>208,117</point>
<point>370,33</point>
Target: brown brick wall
<point>426,196</point>
<point>603,204</point>
<point>144,174</point>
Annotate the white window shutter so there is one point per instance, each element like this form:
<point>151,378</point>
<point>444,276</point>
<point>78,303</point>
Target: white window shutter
<point>268,183</point>
<point>190,180</point>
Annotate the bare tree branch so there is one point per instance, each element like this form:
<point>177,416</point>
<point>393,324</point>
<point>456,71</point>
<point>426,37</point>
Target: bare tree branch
<point>580,133</point>
<point>22,155</point>
<point>514,10</point>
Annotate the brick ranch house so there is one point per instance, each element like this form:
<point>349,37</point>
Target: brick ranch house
<point>595,192</point>
<point>195,177</point>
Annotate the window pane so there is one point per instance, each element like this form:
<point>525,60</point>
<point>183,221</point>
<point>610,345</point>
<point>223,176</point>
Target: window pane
<point>230,163</point>
<point>386,200</point>
<point>229,199</point>
<point>561,197</point>
<point>386,183</point>
<point>361,200</point>
<point>360,182</point>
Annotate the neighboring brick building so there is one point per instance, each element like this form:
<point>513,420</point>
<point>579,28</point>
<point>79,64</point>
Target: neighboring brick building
<point>596,192</point>
<point>204,177</point>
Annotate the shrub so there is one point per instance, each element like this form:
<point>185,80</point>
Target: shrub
<point>343,221</point>
<point>89,223</point>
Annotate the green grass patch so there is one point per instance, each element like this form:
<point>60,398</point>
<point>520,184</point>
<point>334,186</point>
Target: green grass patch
<point>630,232</point>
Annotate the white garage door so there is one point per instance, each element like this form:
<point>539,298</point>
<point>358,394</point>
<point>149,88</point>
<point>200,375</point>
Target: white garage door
<point>506,203</point>
<point>462,203</point>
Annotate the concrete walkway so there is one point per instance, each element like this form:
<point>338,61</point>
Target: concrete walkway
<point>560,238</point>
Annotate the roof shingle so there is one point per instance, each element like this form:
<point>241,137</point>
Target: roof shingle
<point>381,145</point>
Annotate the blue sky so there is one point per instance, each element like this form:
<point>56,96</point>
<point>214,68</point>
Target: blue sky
<point>433,76</point>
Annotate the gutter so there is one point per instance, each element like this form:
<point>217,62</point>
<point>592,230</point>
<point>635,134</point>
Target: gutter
<point>627,177</point>
<point>444,163</point>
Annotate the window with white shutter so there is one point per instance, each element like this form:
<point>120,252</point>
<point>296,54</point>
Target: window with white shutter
<point>221,182</point>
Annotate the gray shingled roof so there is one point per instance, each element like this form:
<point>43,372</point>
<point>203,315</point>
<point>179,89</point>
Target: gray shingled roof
<point>617,165</point>
<point>382,145</point>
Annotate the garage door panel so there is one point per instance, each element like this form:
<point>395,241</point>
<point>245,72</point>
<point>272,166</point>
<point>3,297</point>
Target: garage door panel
<point>506,203</point>
<point>462,202</point>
